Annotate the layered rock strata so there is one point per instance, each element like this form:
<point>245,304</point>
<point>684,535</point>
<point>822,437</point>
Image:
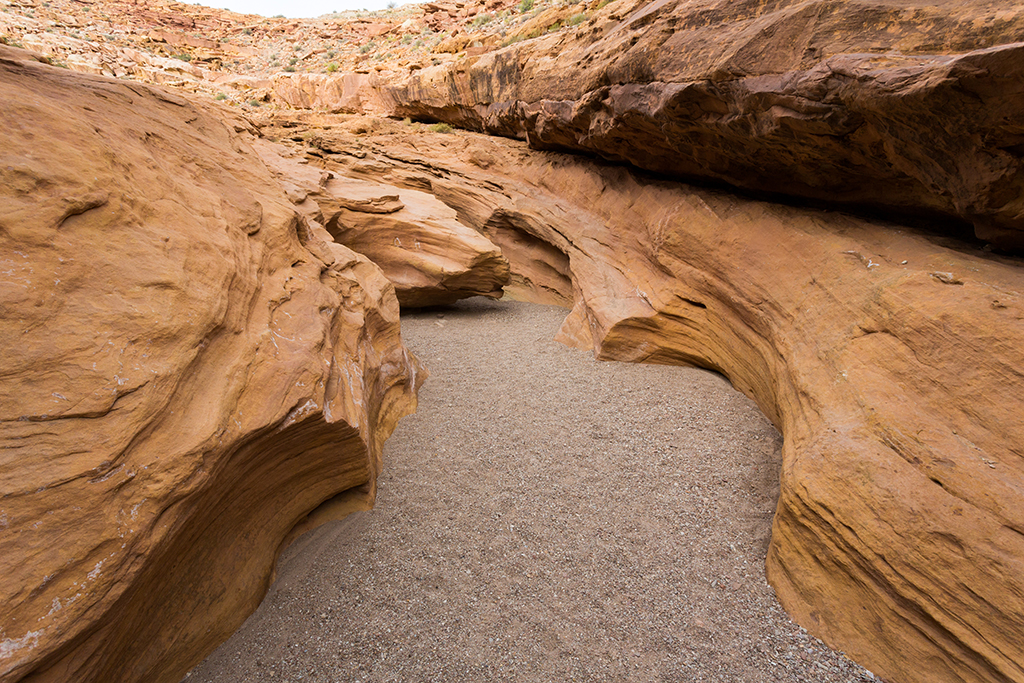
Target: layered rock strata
<point>190,371</point>
<point>911,108</point>
<point>431,258</point>
<point>890,360</point>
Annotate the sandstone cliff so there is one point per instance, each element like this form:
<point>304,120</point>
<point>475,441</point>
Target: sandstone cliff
<point>907,107</point>
<point>890,360</point>
<point>190,369</point>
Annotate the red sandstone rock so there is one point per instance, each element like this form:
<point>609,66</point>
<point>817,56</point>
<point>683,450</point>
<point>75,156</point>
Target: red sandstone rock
<point>889,360</point>
<point>190,369</point>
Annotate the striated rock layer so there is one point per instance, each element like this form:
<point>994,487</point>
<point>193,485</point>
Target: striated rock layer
<point>892,362</point>
<point>190,370</point>
<point>908,106</point>
<point>430,257</point>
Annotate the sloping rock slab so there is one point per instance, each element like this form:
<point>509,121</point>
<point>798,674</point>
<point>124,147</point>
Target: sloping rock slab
<point>189,371</point>
<point>892,363</point>
<point>870,104</point>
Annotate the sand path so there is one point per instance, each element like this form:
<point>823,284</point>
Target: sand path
<point>543,517</point>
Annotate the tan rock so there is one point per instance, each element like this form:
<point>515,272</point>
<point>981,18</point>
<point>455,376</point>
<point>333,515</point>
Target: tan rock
<point>889,360</point>
<point>343,93</point>
<point>190,370</point>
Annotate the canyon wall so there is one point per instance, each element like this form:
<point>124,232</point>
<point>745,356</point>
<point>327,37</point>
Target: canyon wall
<point>196,371</point>
<point>191,369</point>
<point>891,360</point>
<point>910,108</point>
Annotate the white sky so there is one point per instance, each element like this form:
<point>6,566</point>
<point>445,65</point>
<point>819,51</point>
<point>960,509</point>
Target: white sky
<point>295,8</point>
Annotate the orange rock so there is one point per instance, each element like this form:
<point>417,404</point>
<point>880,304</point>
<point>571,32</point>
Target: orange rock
<point>866,104</point>
<point>890,360</point>
<point>430,257</point>
<point>190,370</point>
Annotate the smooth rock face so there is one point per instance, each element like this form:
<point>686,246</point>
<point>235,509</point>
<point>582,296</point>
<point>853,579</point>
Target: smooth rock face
<point>190,369</point>
<point>889,360</point>
<point>912,108</point>
<point>431,258</point>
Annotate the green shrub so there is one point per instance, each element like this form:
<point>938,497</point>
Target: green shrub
<point>525,6</point>
<point>220,96</point>
<point>185,57</point>
<point>576,19</point>
<point>254,103</point>
<point>332,67</point>
<point>290,69</point>
<point>440,128</point>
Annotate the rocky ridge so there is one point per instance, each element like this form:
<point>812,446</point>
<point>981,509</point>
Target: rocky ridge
<point>251,61</point>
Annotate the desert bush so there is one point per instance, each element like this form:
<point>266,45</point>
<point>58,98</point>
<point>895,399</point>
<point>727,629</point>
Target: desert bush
<point>440,128</point>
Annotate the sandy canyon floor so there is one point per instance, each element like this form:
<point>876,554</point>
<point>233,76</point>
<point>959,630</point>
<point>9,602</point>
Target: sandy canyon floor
<point>543,517</point>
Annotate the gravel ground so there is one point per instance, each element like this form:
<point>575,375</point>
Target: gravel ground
<point>543,517</point>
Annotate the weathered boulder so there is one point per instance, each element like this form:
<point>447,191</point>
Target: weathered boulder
<point>430,257</point>
<point>890,360</point>
<point>190,370</point>
<point>912,108</point>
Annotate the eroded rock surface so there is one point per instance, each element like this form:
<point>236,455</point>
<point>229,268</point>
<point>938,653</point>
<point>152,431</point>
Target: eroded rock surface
<point>349,93</point>
<point>190,370</point>
<point>891,361</point>
<point>430,257</point>
<point>875,104</point>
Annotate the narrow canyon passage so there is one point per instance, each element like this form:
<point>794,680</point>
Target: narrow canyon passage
<point>543,517</point>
